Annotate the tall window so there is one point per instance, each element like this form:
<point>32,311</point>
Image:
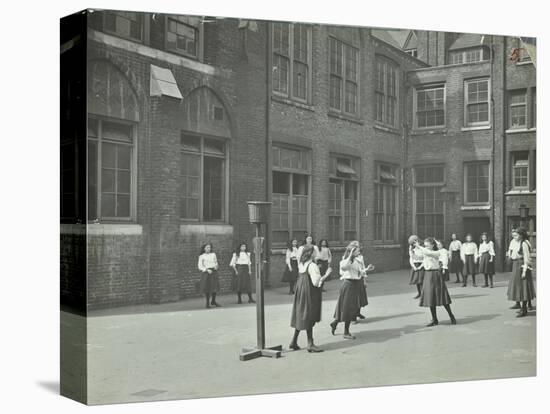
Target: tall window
<point>291,192</point>
<point>517,110</point>
<point>203,181</point>
<point>111,170</point>
<point>429,203</point>
<point>477,54</point>
<point>476,102</point>
<point>68,179</point>
<point>385,202</point>
<point>520,170</point>
<point>292,60</point>
<point>124,24</point>
<point>476,183</point>
<point>343,200</point>
<point>344,79</point>
<point>386,91</point>
<point>182,35</point>
<point>533,122</point>
<point>430,106</point>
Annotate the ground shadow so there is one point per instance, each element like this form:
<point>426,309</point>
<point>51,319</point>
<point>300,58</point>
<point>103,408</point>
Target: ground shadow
<point>51,386</point>
<point>383,335</point>
<point>383,318</point>
<point>466,295</point>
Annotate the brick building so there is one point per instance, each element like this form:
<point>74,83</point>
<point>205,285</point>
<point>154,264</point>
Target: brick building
<point>352,133</point>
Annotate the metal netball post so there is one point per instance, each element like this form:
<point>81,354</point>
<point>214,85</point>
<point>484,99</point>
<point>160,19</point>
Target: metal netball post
<point>259,213</point>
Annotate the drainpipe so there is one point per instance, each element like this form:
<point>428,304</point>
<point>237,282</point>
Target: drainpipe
<point>492,81</point>
<point>503,245</point>
<point>269,161</point>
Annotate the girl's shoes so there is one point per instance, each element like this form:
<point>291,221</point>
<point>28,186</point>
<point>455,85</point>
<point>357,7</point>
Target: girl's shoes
<point>333,326</point>
<point>294,346</point>
<point>417,296</point>
<point>521,313</point>
<point>314,348</point>
<point>434,322</point>
<point>453,320</point>
<point>348,336</point>
<point>360,316</point>
<point>216,304</point>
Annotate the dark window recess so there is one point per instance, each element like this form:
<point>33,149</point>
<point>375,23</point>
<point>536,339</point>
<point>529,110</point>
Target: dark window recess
<point>218,113</point>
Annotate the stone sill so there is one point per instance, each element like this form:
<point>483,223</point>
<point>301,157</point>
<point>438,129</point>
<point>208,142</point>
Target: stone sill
<point>475,128</point>
<point>208,229</point>
<point>475,208</point>
<point>520,130</point>
<point>101,229</point>
<point>345,117</point>
<point>386,128</point>
<point>520,192</point>
<point>429,131</point>
<point>291,102</point>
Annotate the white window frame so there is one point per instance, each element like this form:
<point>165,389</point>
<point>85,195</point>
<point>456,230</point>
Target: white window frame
<point>344,78</point>
<point>467,122</point>
<point>431,184</point>
<point>386,64</point>
<point>395,187</point>
<point>133,173</point>
<point>469,164</point>
<point>415,105</point>
<point>117,33</point>
<point>514,159</point>
<point>290,80</point>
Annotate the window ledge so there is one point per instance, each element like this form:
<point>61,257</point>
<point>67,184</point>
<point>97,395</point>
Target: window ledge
<point>520,192</point>
<point>386,128</point>
<point>525,62</point>
<point>386,246</point>
<point>475,208</point>
<point>345,117</point>
<point>520,130</point>
<point>475,128</point>
<point>210,229</point>
<point>429,131</point>
<point>291,102</point>
<point>123,229</point>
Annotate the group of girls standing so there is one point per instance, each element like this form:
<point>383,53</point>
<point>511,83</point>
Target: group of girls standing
<point>306,309</point>
<point>462,259</point>
<point>241,264</point>
<point>321,255</point>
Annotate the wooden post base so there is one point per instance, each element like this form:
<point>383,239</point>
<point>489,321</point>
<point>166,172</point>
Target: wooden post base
<point>251,353</point>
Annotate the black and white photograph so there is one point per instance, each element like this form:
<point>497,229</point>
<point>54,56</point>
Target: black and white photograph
<point>250,204</point>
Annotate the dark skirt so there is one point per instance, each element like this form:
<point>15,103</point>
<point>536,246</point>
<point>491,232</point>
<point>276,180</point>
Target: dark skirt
<point>210,282</point>
<point>434,290</point>
<point>417,276</point>
<point>486,267</point>
<point>455,265</point>
<point>363,299</point>
<point>347,306</point>
<point>469,265</point>
<point>306,310</point>
<point>445,274</point>
<point>291,276</point>
<point>323,266</point>
<point>242,279</point>
<point>519,289</point>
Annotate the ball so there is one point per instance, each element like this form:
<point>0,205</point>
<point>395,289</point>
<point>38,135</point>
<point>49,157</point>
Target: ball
<point>413,239</point>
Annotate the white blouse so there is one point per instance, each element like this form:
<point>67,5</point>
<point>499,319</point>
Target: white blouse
<point>291,254</point>
<point>312,270</point>
<point>444,258</point>
<point>526,253</point>
<point>325,254</point>
<point>352,270</point>
<point>455,246</point>
<point>243,259</point>
<point>415,256</point>
<point>208,261</point>
<point>469,248</point>
<point>487,247</point>
<point>431,259</point>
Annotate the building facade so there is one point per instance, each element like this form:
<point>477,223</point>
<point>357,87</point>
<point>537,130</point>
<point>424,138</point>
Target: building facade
<point>351,133</point>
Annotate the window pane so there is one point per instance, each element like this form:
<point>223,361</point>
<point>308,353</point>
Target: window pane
<point>190,143</point>
<point>116,131</point>
<point>92,180</point>
<point>108,180</point>
<point>213,188</point>
<point>123,205</point>
<point>123,182</point>
<point>214,147</point>
<point>108,205</point>
<point>281,183</point>
<point>108,155</point>
<point>123,157</point>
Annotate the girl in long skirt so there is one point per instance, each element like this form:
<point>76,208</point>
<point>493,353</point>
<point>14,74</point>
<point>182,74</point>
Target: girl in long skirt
<point>415,259</point>
<point>208,265</point>
<point>363,297</point>
<point>469,257</point>
<point>443,260</point>
<point>306,310</point>
<point>486,259</point>
<point>514,244</point>
<point>241,264</point>
<point>351,274</point>
<point>456,262</point>
<point>434,289</point>
<point>290,274</point>
<point>324,258</point>
<point>521,287</point>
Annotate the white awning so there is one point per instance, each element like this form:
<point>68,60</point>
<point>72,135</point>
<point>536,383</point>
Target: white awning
<point>345,169</point>
<point>164,83</point>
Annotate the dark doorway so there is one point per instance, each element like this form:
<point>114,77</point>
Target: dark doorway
<point>475,226</point>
